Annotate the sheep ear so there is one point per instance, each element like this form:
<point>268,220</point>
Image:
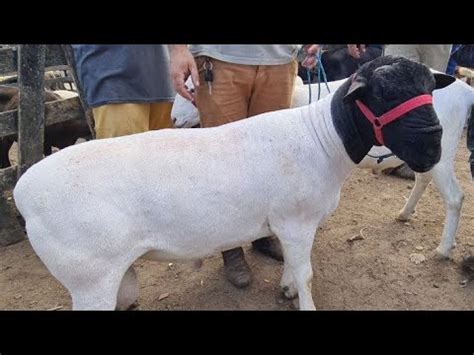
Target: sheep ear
<point>443,80</point>
<point>358,85</point>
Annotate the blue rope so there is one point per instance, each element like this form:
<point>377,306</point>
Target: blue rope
<point>319,76</point>
<point>308,74</point>
<point>381,158</point>
<point>321,72</point>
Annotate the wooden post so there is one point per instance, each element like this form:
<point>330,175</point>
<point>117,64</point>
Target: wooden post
<point>10,229</point>
<point>69,54</point>
<point>31,59</point>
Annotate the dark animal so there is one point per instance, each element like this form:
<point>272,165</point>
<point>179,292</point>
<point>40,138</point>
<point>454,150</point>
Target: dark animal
<point>339,64</point>
<point>468,267</point>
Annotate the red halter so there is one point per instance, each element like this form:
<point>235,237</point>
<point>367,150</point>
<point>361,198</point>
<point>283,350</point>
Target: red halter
<point>379,122</point>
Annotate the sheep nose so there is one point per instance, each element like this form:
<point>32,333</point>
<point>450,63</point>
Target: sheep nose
<point>174,119</point>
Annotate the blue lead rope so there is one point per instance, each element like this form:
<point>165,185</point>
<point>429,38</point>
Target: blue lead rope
<point>308,75</point>
<point>381,158</point>
<point>321,72</point>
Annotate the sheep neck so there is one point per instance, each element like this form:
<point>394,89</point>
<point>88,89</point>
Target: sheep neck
<point>354,130</point>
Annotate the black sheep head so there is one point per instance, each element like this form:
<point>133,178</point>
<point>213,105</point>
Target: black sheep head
<point>384,84</point>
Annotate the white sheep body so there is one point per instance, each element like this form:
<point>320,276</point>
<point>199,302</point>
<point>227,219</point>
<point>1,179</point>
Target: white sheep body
<point>114,200</point>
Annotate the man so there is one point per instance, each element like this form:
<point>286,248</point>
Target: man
<point>435,56</point>
<point>234,82</point>
<point>127,86</point>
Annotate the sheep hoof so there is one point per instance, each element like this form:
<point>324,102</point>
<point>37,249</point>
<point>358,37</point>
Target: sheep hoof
<point>289,292</point>
<point>134,306</point>
<point>442,253</point>
<point>403,171</point>
<point>403,217</point>
<point>131,307</point>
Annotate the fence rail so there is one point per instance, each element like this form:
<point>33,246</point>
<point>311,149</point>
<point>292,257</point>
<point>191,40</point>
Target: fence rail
<point>9,58</point>
<point>25,66</point>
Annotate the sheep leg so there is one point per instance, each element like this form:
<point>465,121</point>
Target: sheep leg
<point>98,296</point>
<point>287,283</point>
<point>296,244</point>
<point>453,197</point>
<point>102,288</point>
<point>128,291</point>
<point>421,182</point>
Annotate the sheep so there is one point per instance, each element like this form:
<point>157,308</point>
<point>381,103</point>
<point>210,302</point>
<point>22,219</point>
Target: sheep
<point>59,135</point>
<point>173,195</point>
<point>452,105</point>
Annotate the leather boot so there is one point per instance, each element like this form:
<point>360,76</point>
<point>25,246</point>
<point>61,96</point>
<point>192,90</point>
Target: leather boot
<point>236,268</point>
<point>269,246</point>
<point>403,171</point>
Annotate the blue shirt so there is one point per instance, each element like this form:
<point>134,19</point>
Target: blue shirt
<point>452,63</point>
<point>124,73</point>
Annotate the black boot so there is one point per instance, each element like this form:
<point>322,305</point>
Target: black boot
<point>403,171</point>
<point>236,268</point>
<point>269,246</point>
<point>468,267</point>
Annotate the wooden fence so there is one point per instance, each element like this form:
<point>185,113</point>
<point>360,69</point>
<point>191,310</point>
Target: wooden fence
<point>25,66</point>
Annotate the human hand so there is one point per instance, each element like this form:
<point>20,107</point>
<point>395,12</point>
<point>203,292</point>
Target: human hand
<point>356,50</point>
<point>182,65</point>
<point>310,60</point>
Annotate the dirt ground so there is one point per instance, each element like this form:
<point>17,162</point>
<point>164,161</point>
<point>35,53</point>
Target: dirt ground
<point>374,273</point>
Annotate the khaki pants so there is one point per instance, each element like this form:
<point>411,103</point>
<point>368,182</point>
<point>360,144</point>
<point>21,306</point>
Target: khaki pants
<point>241,91</point>
<point>435,56</point>
<point>115,120</point>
